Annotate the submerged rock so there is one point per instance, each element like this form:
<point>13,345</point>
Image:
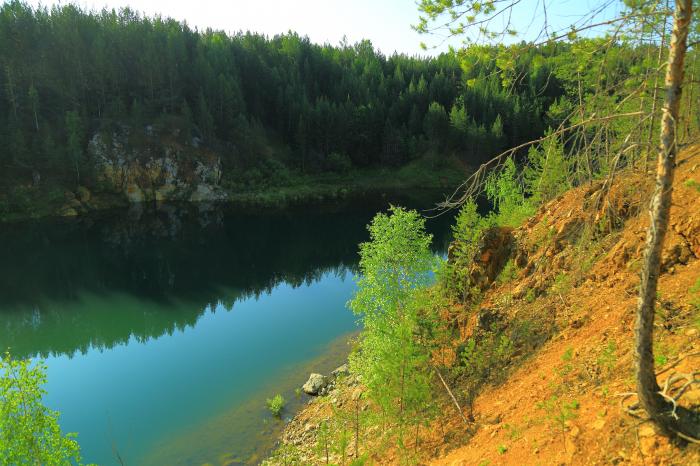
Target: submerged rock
<point>315,384</point>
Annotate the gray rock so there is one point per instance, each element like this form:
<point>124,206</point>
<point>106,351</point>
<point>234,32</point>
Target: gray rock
<point>341,371</point>
<point>315,384</point>
<point>156,171</point>
<point>206,193</point>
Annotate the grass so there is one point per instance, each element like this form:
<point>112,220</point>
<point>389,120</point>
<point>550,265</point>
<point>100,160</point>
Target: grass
<point>276,404</point>
<point>692,184</point>
<point>428,172</point>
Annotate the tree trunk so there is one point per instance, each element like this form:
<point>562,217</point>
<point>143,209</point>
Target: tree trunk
<point>648,389</point>
<point>656,88</point>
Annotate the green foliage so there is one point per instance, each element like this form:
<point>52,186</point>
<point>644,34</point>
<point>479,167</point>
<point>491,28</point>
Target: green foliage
<point>692,184</point>
<point>276,404</point>
<point>75,135</point>
<point>695,293</point>
<point>241,94</point>
<point>695,301</point>
<point>530,296</point>
<point>29,432</point>
<point>286,455</point>
<point>508,273</point>
<point>506,194</point>
<point>395,266</point>
<point>323,441</point>
<point>480,360</point>
<point>547,171</point>
<point>660,354</point>
<point>510,208</point>
<point>566,358</point>
<point>454,274</point>
<point>608,358</point>
<point>558,412</point>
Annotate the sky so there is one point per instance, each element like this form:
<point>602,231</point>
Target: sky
<point>386,23</point>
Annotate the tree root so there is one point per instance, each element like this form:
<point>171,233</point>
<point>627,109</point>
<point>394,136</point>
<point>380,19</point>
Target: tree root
<point>675,386</point>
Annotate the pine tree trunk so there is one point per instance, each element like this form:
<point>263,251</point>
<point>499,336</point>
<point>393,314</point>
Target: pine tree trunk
<point>648,389</point>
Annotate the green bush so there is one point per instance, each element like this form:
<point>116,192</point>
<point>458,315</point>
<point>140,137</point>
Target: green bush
<point>276,404</point>
<point>29,432</point>
<point>396,266</point>
<point>504,190</point>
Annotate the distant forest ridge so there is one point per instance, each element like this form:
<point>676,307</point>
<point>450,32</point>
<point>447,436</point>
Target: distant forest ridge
<point>68,73</point>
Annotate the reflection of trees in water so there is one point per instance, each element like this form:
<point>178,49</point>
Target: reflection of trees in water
<point>68,286</point>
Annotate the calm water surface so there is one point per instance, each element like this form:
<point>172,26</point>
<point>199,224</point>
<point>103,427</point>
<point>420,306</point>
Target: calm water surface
<point>165,329</point>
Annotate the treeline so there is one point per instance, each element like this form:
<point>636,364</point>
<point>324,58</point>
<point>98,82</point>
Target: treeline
<point>67,73</point>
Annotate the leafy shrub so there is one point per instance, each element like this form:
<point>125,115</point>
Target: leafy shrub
<point>505,192</point>
<point>558,412</point>
<point>29,432</point>
<point>276,404</point>
<point>396,266</point>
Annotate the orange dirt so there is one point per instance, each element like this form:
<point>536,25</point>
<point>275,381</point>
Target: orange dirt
<point>582,282</point>
<point>598,311</point>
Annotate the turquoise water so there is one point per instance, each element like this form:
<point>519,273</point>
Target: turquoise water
<point>165,329</point>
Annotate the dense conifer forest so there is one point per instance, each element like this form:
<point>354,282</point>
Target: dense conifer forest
<point>265,104</point>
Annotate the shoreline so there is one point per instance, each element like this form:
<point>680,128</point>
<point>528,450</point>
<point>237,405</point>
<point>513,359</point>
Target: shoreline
<point>250,423</point>
<point>58,202</point>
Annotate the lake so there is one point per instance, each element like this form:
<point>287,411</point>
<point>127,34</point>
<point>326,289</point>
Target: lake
<point>165,328</point>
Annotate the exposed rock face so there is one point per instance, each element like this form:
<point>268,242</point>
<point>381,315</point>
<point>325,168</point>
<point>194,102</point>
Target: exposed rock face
<point>494,249</point>
<point>163,168</point>
<point>75,205</point>
<point>315,384</point>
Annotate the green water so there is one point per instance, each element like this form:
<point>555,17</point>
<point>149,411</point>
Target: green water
<point>164,329</point>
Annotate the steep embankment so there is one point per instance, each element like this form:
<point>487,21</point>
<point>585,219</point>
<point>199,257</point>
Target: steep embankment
<point>565,398</point>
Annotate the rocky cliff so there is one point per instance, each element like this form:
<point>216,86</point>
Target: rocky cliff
<point>155,165</point>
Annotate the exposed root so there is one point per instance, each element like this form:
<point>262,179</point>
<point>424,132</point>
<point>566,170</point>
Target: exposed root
<point>671,392</point>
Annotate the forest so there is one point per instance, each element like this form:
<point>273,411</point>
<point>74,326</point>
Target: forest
<point>268,106</point>
<point>559,325</point>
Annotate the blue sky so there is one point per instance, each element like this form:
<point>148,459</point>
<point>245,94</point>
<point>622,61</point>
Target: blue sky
<point>387,23</point>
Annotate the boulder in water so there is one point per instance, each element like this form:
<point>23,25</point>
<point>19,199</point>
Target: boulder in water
<point>315,384</point>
